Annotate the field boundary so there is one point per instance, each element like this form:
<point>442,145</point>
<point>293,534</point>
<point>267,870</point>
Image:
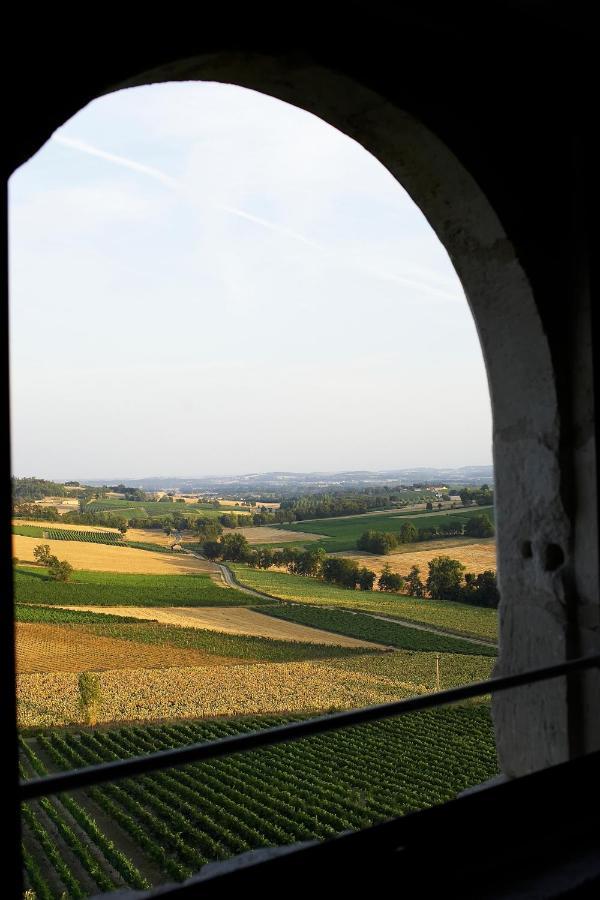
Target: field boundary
<point>232,581</point>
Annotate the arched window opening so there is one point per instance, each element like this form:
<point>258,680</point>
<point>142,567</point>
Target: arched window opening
<point>533,532</point>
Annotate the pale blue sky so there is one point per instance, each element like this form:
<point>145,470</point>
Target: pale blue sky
<point>205,280</point>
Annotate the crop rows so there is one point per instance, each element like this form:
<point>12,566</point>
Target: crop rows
<point>63,534</point>
<point>460,618</point>
<point>116,589</point>
<point>367,628</point>
<point>310,789</point>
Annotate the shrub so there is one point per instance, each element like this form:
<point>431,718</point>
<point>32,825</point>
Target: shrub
<point>90,696</point>
<point>60,569</point>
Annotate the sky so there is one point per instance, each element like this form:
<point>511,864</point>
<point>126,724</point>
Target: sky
<point>207,281</point>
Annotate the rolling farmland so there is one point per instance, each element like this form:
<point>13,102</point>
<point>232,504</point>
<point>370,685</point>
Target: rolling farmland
<point>117,589</point>
<point>62,534</point>
<point>240,620</point>
<point>476,557</point>
<point>343,533</point>
<point>459,618</point>
<point>110,558</point>
<point>182,657</point>
<point>167,825</point>
<point>369,628</point>
<point>140,509</point>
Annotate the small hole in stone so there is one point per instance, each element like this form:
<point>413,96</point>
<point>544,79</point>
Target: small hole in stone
<point>526,550</point>
<point>553,557</point>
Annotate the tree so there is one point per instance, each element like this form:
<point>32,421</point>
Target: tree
<point>379,542</point>
<point>390,581</point>
<point>482,589</point>
<point>211,549</point>
<point>444,579</point>
<point>123,528</point>
<point>311,561</point>
<point>479,526</point>
<point>234,547</point>
<point>366,579</point>
<point>408,533</point>
<point>339,570</point>
<point>90,696</point>
<point>42,554</point>
<point>414,585</point>
<point>60,570</point>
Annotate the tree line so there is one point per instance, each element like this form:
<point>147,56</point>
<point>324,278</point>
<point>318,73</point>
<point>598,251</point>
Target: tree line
<point>446,579</point>
<point>383,542</point>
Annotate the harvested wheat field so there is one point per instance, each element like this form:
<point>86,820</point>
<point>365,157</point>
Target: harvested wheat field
<point>156,536</point>
<point>264,534</point>
<point>232,620</point>
<point>186,692</point>
<point>53,648</point>
<point>110,558</point>
<point>475,557</point>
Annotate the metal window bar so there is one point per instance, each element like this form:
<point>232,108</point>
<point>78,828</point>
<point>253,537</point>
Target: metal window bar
<point>138,765</point>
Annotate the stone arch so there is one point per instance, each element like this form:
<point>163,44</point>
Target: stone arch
<point>536,726</point>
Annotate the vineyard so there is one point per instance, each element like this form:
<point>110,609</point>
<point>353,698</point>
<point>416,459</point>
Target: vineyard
<point>138,509</point>
<point>370,629</point>
<point>62,534</point>
<point>115,589</point>
<point>459,618</point>
<point>167,825</point>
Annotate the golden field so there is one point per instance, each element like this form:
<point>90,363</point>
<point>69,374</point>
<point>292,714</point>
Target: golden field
<point>475,557</point>
<point>107,558</point>
<point>232,620</point>
<point>264,534</point>
<point>189,692</point>
<point>41,647</point>
<point>156,536</point>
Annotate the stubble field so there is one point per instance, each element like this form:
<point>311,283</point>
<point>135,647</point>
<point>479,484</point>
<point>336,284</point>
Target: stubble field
<point>107,558</point>
<point>475,557</point>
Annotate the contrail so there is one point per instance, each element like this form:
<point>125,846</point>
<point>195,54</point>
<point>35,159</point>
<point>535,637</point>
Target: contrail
<point>172,183</point>
<point>114,158</point>
<point>272,226</point>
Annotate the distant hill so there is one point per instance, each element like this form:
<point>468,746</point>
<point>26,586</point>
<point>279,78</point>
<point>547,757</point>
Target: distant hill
<point>288,482</point>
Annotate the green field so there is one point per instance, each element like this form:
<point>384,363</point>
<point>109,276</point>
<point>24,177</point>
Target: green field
<point>343,533</point>
<point>175,821</point>
<point>65,534</point>
<point>454,617</point>
<point>215,643</point>
<point>138,509</point>
<point>32,585</point>
<point>369,629</point>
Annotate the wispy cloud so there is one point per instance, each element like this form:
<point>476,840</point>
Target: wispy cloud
<point>123,161</point>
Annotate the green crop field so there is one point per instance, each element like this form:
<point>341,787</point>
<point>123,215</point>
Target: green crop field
<point>167,825</point>
<point>32,585</point>
<point>460,618</point>
<point>64,534</point>
<point>343,533</point>
<point>369,629</point>
<point>139,509</point>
